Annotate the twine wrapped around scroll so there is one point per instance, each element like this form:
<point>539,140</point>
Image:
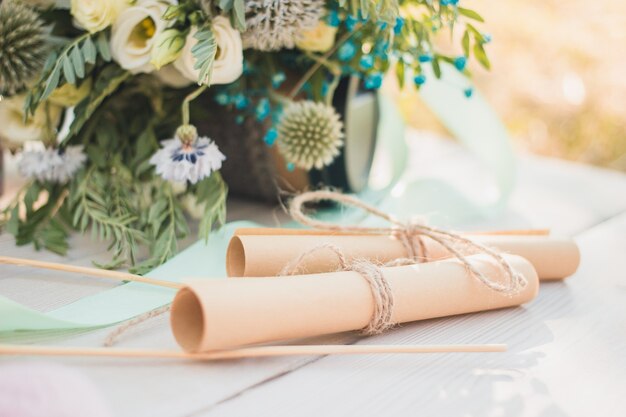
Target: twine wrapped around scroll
<point>410,234</point>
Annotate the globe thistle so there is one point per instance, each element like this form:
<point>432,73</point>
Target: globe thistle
<point>22,46</point>
<point>275,24</point>
<point>310,134</point>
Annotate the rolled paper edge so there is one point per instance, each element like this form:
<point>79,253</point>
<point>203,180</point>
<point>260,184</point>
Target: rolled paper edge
<point>187,320</point>
<point>188,315</point>
<point>235,257</point>
<point>237,266</point>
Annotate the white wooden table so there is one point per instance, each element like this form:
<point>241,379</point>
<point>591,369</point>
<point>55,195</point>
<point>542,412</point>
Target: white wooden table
<point>567,353</point>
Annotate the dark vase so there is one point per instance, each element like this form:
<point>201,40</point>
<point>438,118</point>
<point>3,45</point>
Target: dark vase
<point>253,170</point>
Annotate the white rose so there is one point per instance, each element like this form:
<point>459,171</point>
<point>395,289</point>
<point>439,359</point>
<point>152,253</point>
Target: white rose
<point>95,15</point>
<point>14,132</point>
<point>228,64</point>
<point>134,32</point>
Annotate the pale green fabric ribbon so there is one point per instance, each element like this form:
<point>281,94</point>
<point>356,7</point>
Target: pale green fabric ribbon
<point>471,121</point>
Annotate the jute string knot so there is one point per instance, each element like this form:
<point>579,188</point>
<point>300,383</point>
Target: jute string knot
<point>381,291</point>
<point>411,235</point>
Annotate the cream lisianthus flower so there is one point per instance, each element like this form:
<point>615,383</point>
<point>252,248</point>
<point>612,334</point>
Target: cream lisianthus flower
<point>134,32</point>
<point>14,132</point>
<point>69,95</point>
<point>95,15</point>
<point>319,39</point>
<point>228,64</point>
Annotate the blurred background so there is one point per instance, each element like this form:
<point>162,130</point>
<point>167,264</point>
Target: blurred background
<point>558,77</point>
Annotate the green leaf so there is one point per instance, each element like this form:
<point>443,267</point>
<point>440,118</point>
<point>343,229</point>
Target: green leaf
<point>436,67</point>
<point>481,55</point>
<point>51,83</point>
<point>400,69</point>
<point>68,70</point>
<point>89,51</point>
<point>466,43</point>
<point>240,15</point>
<point>470,14</point>
<point>365,10</point>
<point>212,192</point>
<point>204,53</point>
<point>103,46</point>
<point>78,62</point>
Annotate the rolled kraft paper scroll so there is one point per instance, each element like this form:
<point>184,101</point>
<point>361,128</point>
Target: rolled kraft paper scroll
<point>252,255</point>
<point>219,314</point>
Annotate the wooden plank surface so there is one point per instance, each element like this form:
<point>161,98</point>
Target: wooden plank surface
<point>566,354</point>
<point>567,357</point>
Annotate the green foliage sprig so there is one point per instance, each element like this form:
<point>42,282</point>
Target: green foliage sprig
<point>237,10</point>
<point>211,192</point>
<point>71,64</point>
<point>102,201</point>
<point>45,225</point>
<point>106,83</point>
<point>204,53</point>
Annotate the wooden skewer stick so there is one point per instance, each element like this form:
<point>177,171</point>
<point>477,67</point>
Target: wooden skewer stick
<point>102,273</point>
<point>244,231</point>
<point>250,352</point>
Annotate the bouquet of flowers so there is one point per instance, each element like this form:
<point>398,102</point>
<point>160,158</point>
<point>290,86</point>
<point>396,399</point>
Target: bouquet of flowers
<point>98,98</point>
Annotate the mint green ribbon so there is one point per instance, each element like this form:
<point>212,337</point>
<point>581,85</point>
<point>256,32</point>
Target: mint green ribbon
<point>470,120</point>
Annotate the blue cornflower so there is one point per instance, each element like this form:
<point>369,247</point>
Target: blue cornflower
<point>468,92</point>
<point>181,162</point>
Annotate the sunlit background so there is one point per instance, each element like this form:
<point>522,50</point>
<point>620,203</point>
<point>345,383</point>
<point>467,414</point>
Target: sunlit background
<point>558,77</point>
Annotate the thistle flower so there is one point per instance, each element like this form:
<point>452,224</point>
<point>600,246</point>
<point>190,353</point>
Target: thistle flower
<point>51,164</point>
<point>310,134</point>
<point>187,157</point>
<point>275,24</point>
<point>22,46</point>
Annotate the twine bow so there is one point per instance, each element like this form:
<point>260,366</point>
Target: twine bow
<point>410,234</point>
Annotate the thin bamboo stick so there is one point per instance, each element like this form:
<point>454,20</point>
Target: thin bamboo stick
<point>102,273</point>
<point>251,352</point>
<point>245,231</point>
